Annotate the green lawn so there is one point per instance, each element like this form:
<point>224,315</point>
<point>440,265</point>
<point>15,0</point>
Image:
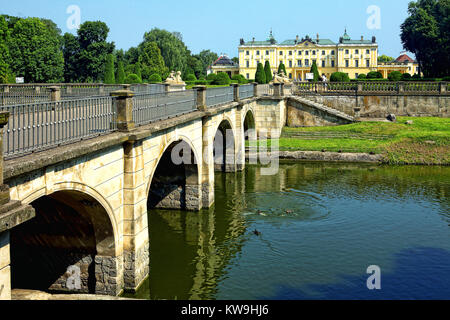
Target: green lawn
<point>426,141</point>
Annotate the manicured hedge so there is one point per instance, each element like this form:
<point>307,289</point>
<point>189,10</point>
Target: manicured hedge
<point>339,77</point>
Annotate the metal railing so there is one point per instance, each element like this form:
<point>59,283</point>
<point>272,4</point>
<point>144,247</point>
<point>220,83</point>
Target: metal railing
<point>24,96</point>
<point>218,96</point>
<point>38,126</point>
<point>148,108</point>
<point>246,91</point>
<point>148,88</point>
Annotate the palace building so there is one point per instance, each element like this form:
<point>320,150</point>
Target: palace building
<point>353,57</point>
<point>403,64</point>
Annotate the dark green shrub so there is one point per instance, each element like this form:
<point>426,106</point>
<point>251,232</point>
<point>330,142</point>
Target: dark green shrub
<point>362,76</point>
<point>260,75</point>
<point>406,77</point>
<point>268,72</point>
<point>120,77</point>
<point>201,77</point>
<point>155,78</point>
<point>416,77</point>
<point>132,78</point>
<point>109,70</point>
<point>211,76</point>
<point>240,78</point>
<point>374,75</point>
<point>395,76</point>
<point>339,77</point>
<point>282,67</point>
<point>447,79</point>
<point>315,71</point>
<point>190,77</point>
<point>222,79</point>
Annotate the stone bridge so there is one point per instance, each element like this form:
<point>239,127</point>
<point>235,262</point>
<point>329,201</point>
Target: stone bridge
<point>75,216</point>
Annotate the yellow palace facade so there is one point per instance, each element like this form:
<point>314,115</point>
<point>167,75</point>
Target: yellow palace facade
<point>353,57</point>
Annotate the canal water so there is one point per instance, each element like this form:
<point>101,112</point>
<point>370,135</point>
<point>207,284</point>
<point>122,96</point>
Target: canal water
<point>321,226</point>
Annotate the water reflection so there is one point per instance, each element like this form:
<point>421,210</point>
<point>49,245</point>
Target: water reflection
<point>321,226</point>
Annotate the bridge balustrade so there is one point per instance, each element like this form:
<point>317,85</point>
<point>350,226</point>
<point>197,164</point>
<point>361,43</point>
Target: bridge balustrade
<point>149,108</point>
<point>246,91</point>
<point>219,96</point>
<point>39,126</point>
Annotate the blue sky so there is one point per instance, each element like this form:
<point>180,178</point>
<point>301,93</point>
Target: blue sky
<point>218,26</point>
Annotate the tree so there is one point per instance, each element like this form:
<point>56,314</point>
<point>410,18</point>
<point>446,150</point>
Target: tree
<point>395,76</point>
<point>151,60</point>
<point>282,67</point>
<point>94,50</point>
<point>385,58</point>
<point>235,60</point>
<point>109,70</point>
<point>5,72</point>
<point>173,49</point>
<point>260,75</point>
<point>206,58</point>
<point>120,78</point>
<point>132,79</point>
<point>268,72</point>
<point>315,71</point>
<point>71,49</point>
<point>35,52</point>
<point>425,33</point>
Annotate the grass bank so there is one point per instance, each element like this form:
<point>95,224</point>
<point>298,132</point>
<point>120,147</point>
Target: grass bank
<point>426,141</point>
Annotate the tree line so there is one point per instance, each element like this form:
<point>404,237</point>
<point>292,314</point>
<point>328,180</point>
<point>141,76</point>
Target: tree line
<point>35,49</point>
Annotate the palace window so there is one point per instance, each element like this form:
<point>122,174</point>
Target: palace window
<point>332,52</point>
<point>290,75</point>
<point>347,63</point>
<point>332,63</point>
<point>247,63</point>
<point>257,52</point>
<point>281,53</point>
<point>290,53</point>
<point>347,51</point>
<point>247,53</point>
<point>306,53</point>
<point>299,53</point>
<point>314,52</point>
<point>356,75</point>
<point>367,51</point>
<point>357,63</point>
<point>367,63</point>
<point>356,51</point>
<point>306,62</point>
<point>323,64</point>
<point>290,64</point>
<point>248,76</point>
<point>323,52</point>
<point>299,63</point>
<point>267,52</point>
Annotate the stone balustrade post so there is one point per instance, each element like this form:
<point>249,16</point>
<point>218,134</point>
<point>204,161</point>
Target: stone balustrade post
<point>201,97</point>
<point>126,86</point>
<point>101,89</point>
<point>359,88</point>
<point>124,109</point>
<point>278,89</point>
<point>37,89</point>
<point>166,87</point>
<point>69,89</point>
<point>55,93</point>
<point>400,87</point>
<point>235,92</point>
<point>255,89</point>
<point>6,89</point>
<point>442,87</point>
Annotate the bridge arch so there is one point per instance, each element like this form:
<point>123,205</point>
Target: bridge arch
<point>71,245</point>
<point>175,180</point>
<point>225,146</point>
